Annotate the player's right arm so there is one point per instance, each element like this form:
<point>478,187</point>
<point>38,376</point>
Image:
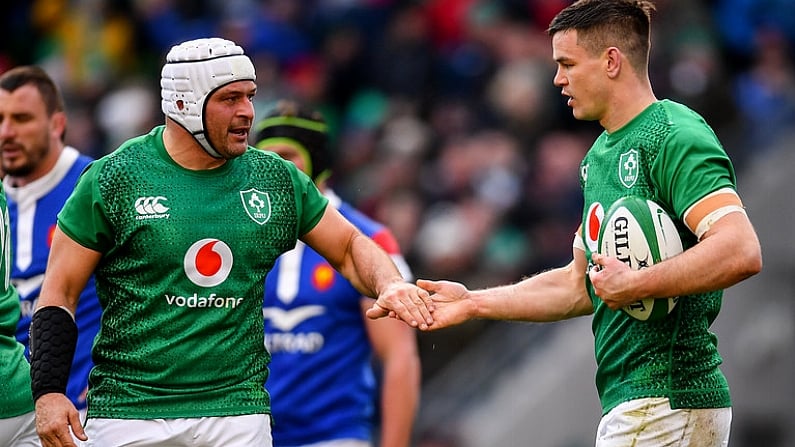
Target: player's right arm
<point>69,267</point>
<point>53,338</point>
<point>552,295</point>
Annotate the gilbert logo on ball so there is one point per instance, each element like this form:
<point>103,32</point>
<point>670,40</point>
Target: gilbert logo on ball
<point>640,233</point>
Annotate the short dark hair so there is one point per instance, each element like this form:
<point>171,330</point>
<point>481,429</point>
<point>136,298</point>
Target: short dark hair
<point>32,74</point>
<point>600,24</point>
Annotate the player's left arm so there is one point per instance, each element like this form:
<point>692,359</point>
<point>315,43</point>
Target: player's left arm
<point>728,247</point>
<point>369,268</point>
<point>395,346</point>
<point>728,251</point>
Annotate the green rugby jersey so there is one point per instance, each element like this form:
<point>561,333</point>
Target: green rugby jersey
<point>185,254</point>
<point>669,155</point>
<point>14,368</point>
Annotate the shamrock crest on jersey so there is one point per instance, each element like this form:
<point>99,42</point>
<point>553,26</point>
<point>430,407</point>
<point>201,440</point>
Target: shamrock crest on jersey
<point>257,205</point>
<point>628,168</point>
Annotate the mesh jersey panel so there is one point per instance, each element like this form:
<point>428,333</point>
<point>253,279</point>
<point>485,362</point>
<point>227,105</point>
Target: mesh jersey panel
<point>185,254</point>
<point>669,155</point>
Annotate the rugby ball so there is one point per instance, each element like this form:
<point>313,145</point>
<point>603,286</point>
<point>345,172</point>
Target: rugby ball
<point>640,233</point>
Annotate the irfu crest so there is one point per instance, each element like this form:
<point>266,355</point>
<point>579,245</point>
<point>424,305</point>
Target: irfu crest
<point>628,168</point>
<point>257,205</point>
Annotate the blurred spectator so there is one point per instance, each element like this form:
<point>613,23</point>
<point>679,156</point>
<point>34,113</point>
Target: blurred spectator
<point>168,22</point>
<point>766,92</point>
<point>473,184</point>
<point>740,20</point>
<point>403,66</point>
<point>126,112</point>
<point>551,200</point>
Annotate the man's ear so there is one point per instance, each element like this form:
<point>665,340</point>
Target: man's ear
<point>58,125</point>
<point>613,61</point>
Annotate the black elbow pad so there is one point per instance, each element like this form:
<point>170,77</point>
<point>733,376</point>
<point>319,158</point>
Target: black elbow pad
<point>53,338</point>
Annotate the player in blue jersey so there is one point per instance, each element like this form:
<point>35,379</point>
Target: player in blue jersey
<point>21,112</point>
<point>40,174</point>
<point>322,381</point>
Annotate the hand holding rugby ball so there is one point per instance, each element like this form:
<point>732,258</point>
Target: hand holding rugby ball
<point>640,233</point>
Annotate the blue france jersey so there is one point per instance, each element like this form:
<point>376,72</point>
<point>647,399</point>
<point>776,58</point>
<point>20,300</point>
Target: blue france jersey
<point>321,381</point>
<point>32,211</point>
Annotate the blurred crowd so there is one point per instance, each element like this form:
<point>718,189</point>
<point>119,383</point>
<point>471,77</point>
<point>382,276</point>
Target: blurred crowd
<point>445,122</point>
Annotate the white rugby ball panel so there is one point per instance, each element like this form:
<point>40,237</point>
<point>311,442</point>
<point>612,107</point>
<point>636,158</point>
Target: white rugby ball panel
<point>640,233</point>
<point>667,235</point>
<point>623,236</point>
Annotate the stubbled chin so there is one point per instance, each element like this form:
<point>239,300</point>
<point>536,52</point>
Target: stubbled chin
<point>237,148</point>
<point>12,163</point>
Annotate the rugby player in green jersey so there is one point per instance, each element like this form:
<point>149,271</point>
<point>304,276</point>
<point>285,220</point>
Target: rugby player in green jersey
<point>659,382</point>
<point>180,227</point>
<point>17,425</point>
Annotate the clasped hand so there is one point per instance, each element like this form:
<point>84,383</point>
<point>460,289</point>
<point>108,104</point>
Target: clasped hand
<point>406,302</point>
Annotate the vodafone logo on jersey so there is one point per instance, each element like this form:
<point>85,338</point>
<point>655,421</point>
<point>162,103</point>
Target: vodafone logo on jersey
<point>593,221</point>
<point>208,262</point>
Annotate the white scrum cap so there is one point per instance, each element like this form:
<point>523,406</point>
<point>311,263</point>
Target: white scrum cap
<point>195,69</point>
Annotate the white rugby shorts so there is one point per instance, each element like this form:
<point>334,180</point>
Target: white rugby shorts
<point>228,431</point>
<point>19,431</point>
<point>651,422</point>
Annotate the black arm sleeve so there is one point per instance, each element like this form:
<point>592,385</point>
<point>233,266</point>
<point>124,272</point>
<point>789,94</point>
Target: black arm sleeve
<point>53,337</point>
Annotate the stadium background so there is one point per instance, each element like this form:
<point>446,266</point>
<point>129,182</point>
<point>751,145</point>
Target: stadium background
<point>447,127</point>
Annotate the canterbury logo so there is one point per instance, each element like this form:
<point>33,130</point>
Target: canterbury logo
<point>151,207</point>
